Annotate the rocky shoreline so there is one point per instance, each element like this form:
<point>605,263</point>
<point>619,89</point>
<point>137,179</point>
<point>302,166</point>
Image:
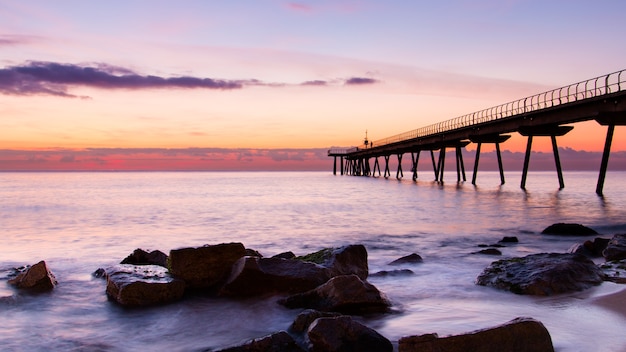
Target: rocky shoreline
<point>330,287</point>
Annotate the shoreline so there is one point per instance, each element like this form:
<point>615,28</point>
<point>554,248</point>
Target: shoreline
<point>613,302</point>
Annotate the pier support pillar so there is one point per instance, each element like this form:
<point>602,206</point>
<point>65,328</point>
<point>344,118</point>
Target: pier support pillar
<point>496,139</point>
<point>415,157</point>
<point>435,168</point>
<point>544,131</point>
<point>610,120</point>
<point>387,172</point>
<point>442,162</point>
<point>376,167</point>
<point>399,173</point>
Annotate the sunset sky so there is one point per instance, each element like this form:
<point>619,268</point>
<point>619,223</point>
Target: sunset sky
<point>226,85</point>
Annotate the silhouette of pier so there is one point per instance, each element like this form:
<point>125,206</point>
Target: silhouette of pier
<point>602,99</point>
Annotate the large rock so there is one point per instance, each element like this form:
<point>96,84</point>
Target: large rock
<point>616,248</point>
<point>518,335</point>
<point>255,276</point>
<point>345,294</point>
<point>277,342</point>
<point>306,318</point>
<point>142,285</point>
<point>35,278</point>
<point>592,249</point>
<point>141,257</point>
<point>413,258</point>
<point>542,274</point>
<point>351,259</point>
<point>564,229</point>
<point>205,267</point>
<point>342,333</point>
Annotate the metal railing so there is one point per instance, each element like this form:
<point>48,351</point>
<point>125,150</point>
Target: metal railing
<point>602,85</point>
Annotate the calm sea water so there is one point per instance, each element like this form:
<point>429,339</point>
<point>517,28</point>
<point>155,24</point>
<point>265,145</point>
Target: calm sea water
<point>79,222</point>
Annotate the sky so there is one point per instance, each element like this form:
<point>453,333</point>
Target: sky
<point>235,85</point>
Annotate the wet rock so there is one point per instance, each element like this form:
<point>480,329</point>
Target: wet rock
<point>205,267</point>
<point>615,248</point>
<point>285,255</point>
<point>413,258</point>
<point>489,251</point>
<point>591,249</point>
<point>255,276</point>
<point>37,278</point>
<point>277,342</point>
<point>614,271</point>
<point>542,274</point>
<point>518,335</point>
<point>495,245</point>
<point>351,259</point>
<point>399,272</point>
<point>307,317</point>
<point>141,257</point>
<point>100,273</point>
<point>564,229</point>
<point>345,294</point>
<point>142,285</point>
<point>253,253</point>
<point>509,239</point>
<point>344,334</point>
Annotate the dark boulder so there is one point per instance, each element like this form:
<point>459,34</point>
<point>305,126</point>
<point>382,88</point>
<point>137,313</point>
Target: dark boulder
<point>399,272</point>
<point>255,276</point>
<point>307,317</point>
<point>614,271</point>
<point>277,342</point>
<point>141,257</point>
<point>413,258</point>
<point>142,285</point>
<point>253,253</point>
<point>591,249</point>
<point>351,259</point>
<point>489,251</point>
<point>36,278</point>
<point>205,267</point>
<point>542,274</point>
<point>564,229</point>
<point>285,255</point>
<point>509,239</point>
<point>615,248</point>
<point>518,335</point>
<point>345,294</point>
<point>342,333</point>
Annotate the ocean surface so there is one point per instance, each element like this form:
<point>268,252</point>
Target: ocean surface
<point>78,222</point>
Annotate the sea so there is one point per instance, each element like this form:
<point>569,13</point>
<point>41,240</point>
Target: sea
<point>81,221</point>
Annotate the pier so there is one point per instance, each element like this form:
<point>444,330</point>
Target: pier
<point>546,114</point>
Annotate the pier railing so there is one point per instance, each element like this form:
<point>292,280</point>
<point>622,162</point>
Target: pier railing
<point>602,85</point>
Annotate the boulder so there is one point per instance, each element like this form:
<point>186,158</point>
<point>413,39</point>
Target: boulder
<point>344,334</point>
<point>413,258</point>
<point>306,318</point>
<point>542,274</point>
<point>564,229</point>
<point>36,278</point>
<point>205,267</point>
<point>489,251</point>
<point>509,239</point>
<point>285,255</point>
<point>518,335</point>
<point>399,272</point>
<point>277,342</point>
<point>255,276</point>
<point>615,248</point>
<point>351,259</point>
<point>614,271</point>
<point>141,257</point>
<point>142,285</point>
<point>592,249</point>
<point>345,294</point>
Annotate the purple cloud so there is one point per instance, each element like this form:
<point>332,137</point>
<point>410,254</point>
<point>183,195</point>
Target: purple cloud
<point>314,83</point>
<point>360,80</point>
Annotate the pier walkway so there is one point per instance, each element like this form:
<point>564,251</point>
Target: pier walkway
<point>602,99</point>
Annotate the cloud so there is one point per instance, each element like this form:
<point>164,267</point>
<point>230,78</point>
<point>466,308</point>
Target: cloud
<point>12,40</point>
<point>296,6</point>
<point>314,83</point>
<point>360,81</point>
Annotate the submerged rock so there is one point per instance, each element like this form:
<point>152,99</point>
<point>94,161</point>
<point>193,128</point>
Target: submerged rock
<point>413,258</point>
<point>276,342</point>
<point>345,294</point>
<point>489,251</point>
<point>509,239</point>
<point>542,274</point>
<point>141,257</point>
<point>142,285</point>
<point>205,267</point>
<point>255,276</point>
<point>564,229</point>
<point>342,333</point>
<point>518,335</point>
<point>36,278</point>
<point>347,260</point>
<point>615,248</point>
<point>399,272</point>
<point>614,271</point>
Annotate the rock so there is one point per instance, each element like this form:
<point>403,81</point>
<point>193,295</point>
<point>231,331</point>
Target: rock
<point>489,251</point>
<point>205,267</point>
<point>141,257</point>
<point>518,335</point>
<point>400,272</point>
<point>615,248</point>
<point>542,274</point>
<point>351,259</point>
<point>253,253</point>
<point>255,276</point>
<point>285,255</point>
<point>277,342</point>
<point>345,294</point>
<point>36,278</point>
<point>509,239</point>
<point>344,334</point>
<point>614,271</point>
<point>142,285</point>
<point>413,258</point>
<point>568,230</point>
<point>495,245</point>
<point>100,273</point>
<point>591,249</point>
<point>307,317</point>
